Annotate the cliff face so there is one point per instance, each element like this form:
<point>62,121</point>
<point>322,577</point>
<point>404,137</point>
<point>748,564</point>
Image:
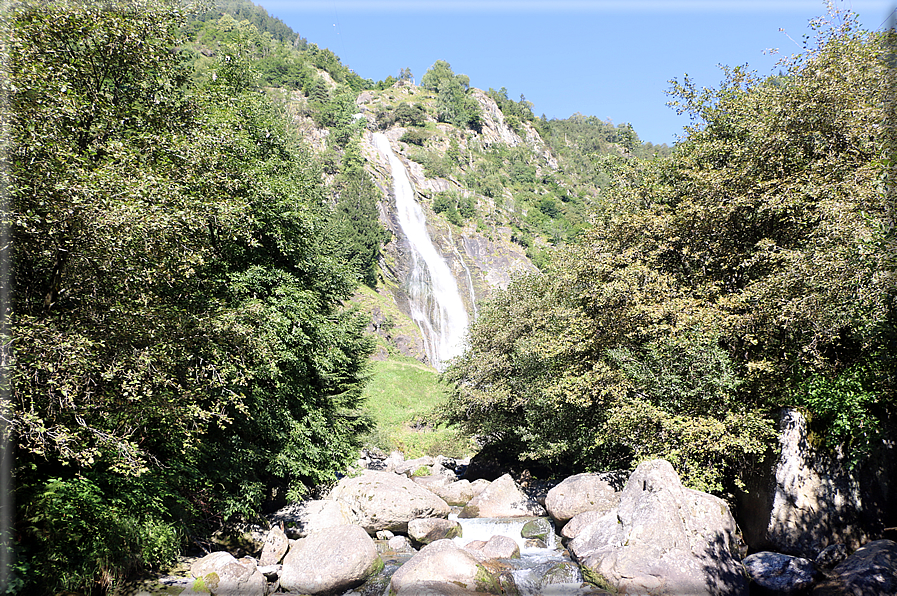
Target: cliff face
<point>480,260</point>
<point>480,251</point>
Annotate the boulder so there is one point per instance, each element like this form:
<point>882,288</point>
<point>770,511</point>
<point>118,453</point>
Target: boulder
<point>410,466</point>
<point>331,560</point>
<point>502,498</point>
<point>831,555</point>
<point>304,518</point>
<point>430,529</point>
<point>457,493</point>
<point>572,528</point>
<point>220,574</point>
<point>663,539</point>
<point>809,499</point>
<point>776,574</point>
<point>386,501</point>
<point>580,493</point>
<point>539,528</point>
<point>442,567</point>
<point>275,547</point>
<point>870,571</point>
<point>497,547</point>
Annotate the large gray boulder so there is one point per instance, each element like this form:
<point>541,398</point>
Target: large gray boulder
<point>663,539</point>
<point>275,547</point>
<point>808,500</point>
<point>579,493</point>
<point>502,498</point>
<point>497,547</point>
<point>457,493</point>
<point>870,571</point>
<point>221,574</point>
<point>311,516</point>
<point>573,527</point>
<point>331,560</point>
<point>443,568</point>
<point>430,529</point>
<point>781,575</point>
<point>386,501</point>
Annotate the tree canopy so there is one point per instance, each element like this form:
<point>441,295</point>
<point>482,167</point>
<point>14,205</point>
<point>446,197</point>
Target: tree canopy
<point>750,270</point>
<point>181,352</point>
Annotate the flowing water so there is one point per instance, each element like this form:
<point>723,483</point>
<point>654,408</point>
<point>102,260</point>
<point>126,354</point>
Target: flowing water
<point>436,304</point>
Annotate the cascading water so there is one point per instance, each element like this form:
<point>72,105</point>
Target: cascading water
<point>436,304</point>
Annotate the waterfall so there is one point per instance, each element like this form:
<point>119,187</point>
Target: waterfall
<point>436,304</point>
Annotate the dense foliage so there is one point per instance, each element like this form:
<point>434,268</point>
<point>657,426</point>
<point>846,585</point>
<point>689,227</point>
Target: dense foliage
<point>181,352</point>
<point>748,271</point>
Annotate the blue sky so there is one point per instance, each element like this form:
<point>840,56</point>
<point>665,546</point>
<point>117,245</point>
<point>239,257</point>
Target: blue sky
<point>607,58</point>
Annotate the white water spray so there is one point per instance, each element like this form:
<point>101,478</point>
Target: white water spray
<point>436,304</point>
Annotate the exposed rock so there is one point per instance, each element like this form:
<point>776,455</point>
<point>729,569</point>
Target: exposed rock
<point>831,555</point>
<point>579,493</point>
<point>442,567</point>
<point>302,519</point>
<point>572,528</point>
<point>223,575</point>
<point>538,528</point>
<point>497,547</point>
<point>410,466</point>
<point>479,485</point>
<point>503,498</point>
<point>457,493</point>
<point>870,571</point>
<point>399,544</point>
<point>386,501</point>
<point>811,501</point>
<point>430,529</point>
<point>663,539</point>
<point>431,483</point>
<point>780,575</point>
<point>384,535</point>
<point>276,545</point>
<point>330,560</point>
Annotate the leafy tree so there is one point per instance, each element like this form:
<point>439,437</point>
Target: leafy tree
<point>181,352</point>
<point>453,104</point>
<point>747,271</point>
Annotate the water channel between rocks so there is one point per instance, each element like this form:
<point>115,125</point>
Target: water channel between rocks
<point>542,569</point>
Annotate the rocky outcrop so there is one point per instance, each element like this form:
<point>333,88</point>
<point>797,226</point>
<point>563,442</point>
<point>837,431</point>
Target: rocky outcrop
<point>330,561</point>
<point>580,493</point>
<point>443,568</point>
<point>663,539</point>
<point>809,500</point>
<point>386,501</point>
<point>304,518</point>
<point>870,571</point>
<point>502,498</point>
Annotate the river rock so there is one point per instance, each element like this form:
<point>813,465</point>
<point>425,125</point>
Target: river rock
<point>223,575</point>
<point>430,529</point>
<point>303,518</point>
<point>579,493</point>
<point>457,493</point>
<point>331,560</point>
<point>275,547</point>
<point>870,571</point>
<point>780,575</point>
<point>443,568</point>
<point>497,547</point>
<point>572,528</point>
<point>503,498</point>
<point>831,555</point>
<point>411,466</point>
<point>386,501</point>
<point>663,539</point>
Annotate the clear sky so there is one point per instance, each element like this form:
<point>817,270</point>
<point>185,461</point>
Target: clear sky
<point>607,58</point>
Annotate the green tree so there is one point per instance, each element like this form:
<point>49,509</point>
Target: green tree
<point>747,271</point>
<point>181,352</point>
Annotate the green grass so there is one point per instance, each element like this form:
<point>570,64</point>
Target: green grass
<point>400,397</point>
